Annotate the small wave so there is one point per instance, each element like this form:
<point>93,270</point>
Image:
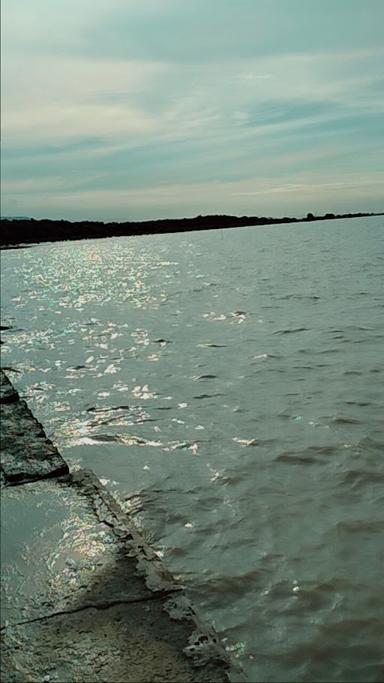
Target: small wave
<point>361,525</point>
<point>292,330</point>
<point>199,377</point>
<point>325,351</point>
<point>303,367</point>
<point>262,443</point>
<point>344,420</point>
<point>209,345</point>
<point>201,396</point>
<point>246,442</point>
<point>183,445</point>
<point>264,356</point>
<point>358,403</point>
<point>126,439</point>
<point>309,456</point>
<point>93,409</point>
<point>120,421</point>
<point>360,478</point>
<point>362,328</point>
<point>291,459</point>
<point>312,352</point>
<point>307,297</point>
<point>214,316</point>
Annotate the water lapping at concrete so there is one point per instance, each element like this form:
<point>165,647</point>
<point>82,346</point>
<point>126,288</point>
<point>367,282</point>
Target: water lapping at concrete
<point>84,596</point>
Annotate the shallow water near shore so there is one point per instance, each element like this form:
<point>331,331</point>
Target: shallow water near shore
<point>228,387</point>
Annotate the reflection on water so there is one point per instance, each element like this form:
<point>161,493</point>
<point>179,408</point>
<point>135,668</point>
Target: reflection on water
<point>229,391</point>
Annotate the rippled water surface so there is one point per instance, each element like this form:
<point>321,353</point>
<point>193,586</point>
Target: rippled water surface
<point>228,386</point>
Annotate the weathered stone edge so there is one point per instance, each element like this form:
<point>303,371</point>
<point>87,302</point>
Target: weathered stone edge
<point>204,646</point>
<point>59,468</point>
<point>8,393</point>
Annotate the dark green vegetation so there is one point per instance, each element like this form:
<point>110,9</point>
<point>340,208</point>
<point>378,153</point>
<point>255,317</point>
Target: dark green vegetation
<point>21,231</point>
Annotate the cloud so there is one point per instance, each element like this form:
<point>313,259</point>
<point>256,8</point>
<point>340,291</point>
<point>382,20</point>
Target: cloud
<point>130,97</point>
<point>220,30</point>
<point>69,98</point>
<point>65,98</point>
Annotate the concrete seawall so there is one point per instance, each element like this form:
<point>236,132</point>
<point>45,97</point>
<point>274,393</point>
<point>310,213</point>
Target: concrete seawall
<point>84,597</point>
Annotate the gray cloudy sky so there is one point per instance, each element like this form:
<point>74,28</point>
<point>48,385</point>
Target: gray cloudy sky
<point>126,109</point>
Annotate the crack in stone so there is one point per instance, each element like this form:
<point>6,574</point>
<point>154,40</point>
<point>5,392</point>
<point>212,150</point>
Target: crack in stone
<point>83,608</point>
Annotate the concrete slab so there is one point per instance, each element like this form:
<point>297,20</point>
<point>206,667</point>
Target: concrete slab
<point>128,643</point>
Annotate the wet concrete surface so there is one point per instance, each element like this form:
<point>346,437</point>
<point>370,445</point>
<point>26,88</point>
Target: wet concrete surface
<point>84,597</point>
<point>56,553</point>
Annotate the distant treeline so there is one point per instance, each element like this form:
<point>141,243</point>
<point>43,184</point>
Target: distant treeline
<point>24,231</point>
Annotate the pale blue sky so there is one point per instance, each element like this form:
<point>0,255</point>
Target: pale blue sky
<point>132,109</point>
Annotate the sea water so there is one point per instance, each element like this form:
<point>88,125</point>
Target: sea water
<point>227,386</point>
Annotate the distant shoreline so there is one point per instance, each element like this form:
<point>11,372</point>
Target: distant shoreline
<point>26,231</point>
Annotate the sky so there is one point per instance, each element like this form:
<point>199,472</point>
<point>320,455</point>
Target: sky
<point>136,109</point>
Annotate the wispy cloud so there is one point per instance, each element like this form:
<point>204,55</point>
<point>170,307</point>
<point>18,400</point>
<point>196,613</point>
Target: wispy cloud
<point>147,120</point>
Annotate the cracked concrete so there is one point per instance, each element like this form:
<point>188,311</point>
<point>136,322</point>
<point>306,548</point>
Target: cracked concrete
<point>117,644</point>
<point>84,597</point>
<point>62,556</point>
